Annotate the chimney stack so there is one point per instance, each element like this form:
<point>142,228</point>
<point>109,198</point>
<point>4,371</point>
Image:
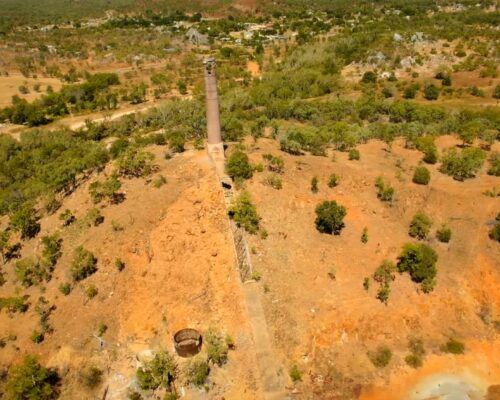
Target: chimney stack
<point>212,103</point>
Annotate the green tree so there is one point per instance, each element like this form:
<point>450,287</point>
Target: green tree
<point>106,190</point>
<point>369,77</point>
<point>419,260</point>
<point>25,220</point>
<point>238,166</point>
<point>134,162</point>
<point>83,265</point>
<point>494,233</point>
<point>431,92</point>
<point>381,357</point>
<point>4,244</point>
<point>244,213</point>
<point>494,161</point>
<point>453,346</point>
<point>330,217</point>
<point>29,380</point>
<point>197,370</point>
<point>420,226</point>
<point>463,165</point>
<point>217,347</point>
<point>421,176</point>
<point>314,184</point>
<point>364,235</point>
<point>51,249</point>
<point>333,181</point>
<point>426,145</point>
<point>443,234</point>
<point>385,192</point>
<point>354,154</point>
<point>295,374</point>
<point>161,371</point>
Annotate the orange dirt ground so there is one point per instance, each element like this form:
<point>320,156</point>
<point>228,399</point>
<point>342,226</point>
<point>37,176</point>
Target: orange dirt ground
<point>327,326</point>
<point>9,86</point>
<point>179,273</point>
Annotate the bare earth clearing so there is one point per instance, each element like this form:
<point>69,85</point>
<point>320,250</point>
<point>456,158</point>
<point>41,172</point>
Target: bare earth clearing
<point>179,273</point>
<point>9,86</point>
<point>327,326</point>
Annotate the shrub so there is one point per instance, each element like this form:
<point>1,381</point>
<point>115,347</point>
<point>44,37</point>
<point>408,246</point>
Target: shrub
<point>420,226</point>
<point>417,352</point>
<point>91,376</point>
<point>30,271</point>
<point>135,163</point>
<point>494,233</point>
<point>37,337</point>
<point>238,166</point>
<point>384,275</point>
<point>413,360</point>
<point>118,147</point>
<point>177,141</point>
<point>364,235</point>
<point>256,276</point>
<point>369,77</point>
<point>119,264</point>
<point>496,92</point>
<point>159,181</point>
<point>161,371</point>
<point>91,291</point>
<point>366,283</point>
<point>380,357</point>
<point>30,380</point>
<point>65,288</point>
<point>101,329</point>
<point>462,165</point>
<point>387,92</point>
<point>453,346</point>
<point>25,220</point>
<point>217,348</point>
<point>106,190</point>
<point>94,217</point>
<point>314,184</point>
<point>197,370</point>
<point>427,146</point>
<point>83,264</point>
<point>383,293</point>
<point>410,92</point>
<point>494,161</point>
<point>354,154</point>
<point>244,213</point>
<point>67,217</point>
<point>446,81</point>
<point>385,192</point>
<point>116,226</point>
<point>421,176</point>
<point>290,146</point>
<point>51,204</point>
<point>274,163</point>
<point>431,92</point>
<point>419,260</point>
<point>14,304</point>
<point>295,374</point>
<point>329,217</point>
<point>51,249</point>
<point>443,234</point>
<point>274,181</point>
<point>333,181</point>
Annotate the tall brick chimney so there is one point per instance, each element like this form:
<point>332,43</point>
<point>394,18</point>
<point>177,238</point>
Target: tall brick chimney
<point>212,105</point>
